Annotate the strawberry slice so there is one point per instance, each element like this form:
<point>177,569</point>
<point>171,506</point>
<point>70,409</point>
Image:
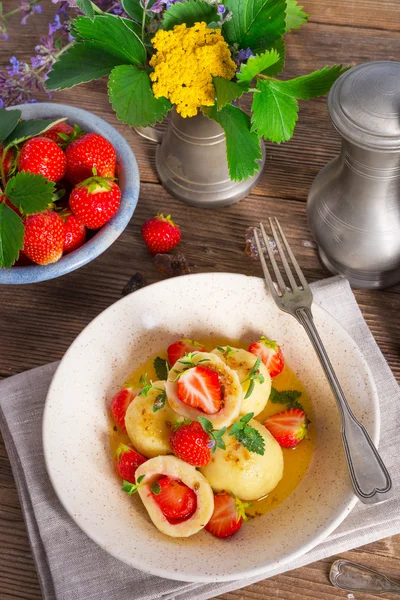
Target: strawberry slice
<point>200,387</point>
<point>176,500</point>
<point>288,427</point>
<point>228,515</point>
<point>271,355</point>
<point>119,406</point>
<point>178,350</point>
<point>127,460</point>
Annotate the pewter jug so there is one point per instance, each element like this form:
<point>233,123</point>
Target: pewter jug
<point>191,162</point>
<point>353,205</point>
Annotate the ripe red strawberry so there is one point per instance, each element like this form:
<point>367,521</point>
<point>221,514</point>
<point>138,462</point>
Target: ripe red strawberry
<point>74,232</point>
<point>63,128</point>
<point>88,152</point>
<point>40,155</point>
<point>200,387</point>
<point>288,427</point>
<point>228,515</point>
<point>44,237</point>
<point>119,406</point>
<point>8,160</point>
<point>178,350</point>
<point>95,201</point>
<point>191,443</point>
<point>176,500</point>
<point>161,234</point>
<point>271,355</point>
<point>127,460</point>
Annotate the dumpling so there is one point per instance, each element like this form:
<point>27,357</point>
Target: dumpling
<point>242,362</point>
<point>246,474</point>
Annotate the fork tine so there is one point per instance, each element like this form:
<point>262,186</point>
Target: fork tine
<point>292,257</point>
<point>281,251</point>
<point>267,275</point>
<point>274,264</point>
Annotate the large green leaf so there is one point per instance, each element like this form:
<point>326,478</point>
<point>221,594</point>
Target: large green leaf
<point>227,91</point>
<point>8,122</point>
<point>295,15</point>
<point>242,145</point>
<point>257,64</point>
<point>83,62</point>
<point>315,84</point>
<point>86,7</point>
<point>255,24</point>
<point>133,9</point>
<point>115,35</point>
<point>11,236</point>
<point>132,98</point>
<point>27,129</point>
<point>30,192</point>
<point>133,26</point>
<point>274,114</point>
<point>189,12</point>
<point>277,67</point>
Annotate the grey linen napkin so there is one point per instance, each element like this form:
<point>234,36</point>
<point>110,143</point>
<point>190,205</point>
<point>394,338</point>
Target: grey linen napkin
<point>71,567</point>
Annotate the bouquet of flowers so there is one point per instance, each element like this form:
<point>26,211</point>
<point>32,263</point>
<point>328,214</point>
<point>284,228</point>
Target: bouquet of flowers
<point>195,55</point>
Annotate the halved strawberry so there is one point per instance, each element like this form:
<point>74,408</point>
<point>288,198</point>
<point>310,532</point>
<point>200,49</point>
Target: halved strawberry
<point>228,515</point>
<point>127,460</point>
<point>271,355</point>
<point>178,350</point>
<point>288,427</point>
<point>176,500</point>
<point>119,406</point>
<point>200,387</point>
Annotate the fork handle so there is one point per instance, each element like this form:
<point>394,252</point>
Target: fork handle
<point>369,476</point>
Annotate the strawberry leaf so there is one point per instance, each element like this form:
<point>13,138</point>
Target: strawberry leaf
<point>274,113</point>
<point>257,64</point>
<point>30,192</point>
<point>11,236</point>
<point>86,7</point>
<point>161,367</point>
<point>227,91</point>
<point>287,397</point>
<point>277,67</point>
<point>189,12</point>
<point>134,9</point>
<point>8,122</point>
<point>27,129</point>
<point>295,15</point>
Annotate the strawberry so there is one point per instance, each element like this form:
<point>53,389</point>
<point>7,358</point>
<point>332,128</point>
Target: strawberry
<point>8,160</point>
<point>127,460</point>
<point>61,128</point>
<point>95,201</point>
<point>44,237</point>
<point>43,156</point>
<point>119,406</point>
<point>88,152</point>
<point>288,427</point>
<point>74,232</point>
<point>178,350</point>
<point>161,234</point>
<point>191,443</point>
<point>176,500</point>
<point>200,387</point>
<point>271,355</point>
<point>228,516</point>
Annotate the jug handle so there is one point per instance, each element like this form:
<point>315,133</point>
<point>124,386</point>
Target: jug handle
<point>150,133</point>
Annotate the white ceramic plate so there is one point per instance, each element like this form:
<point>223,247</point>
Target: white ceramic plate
<point>75,427</point>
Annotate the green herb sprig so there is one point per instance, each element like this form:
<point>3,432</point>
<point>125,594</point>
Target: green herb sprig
<point>247,435</point>
<point>216,435</point>
<point>254,376</point>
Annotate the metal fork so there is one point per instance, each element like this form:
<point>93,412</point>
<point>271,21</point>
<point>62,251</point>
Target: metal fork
<point>369,476</point>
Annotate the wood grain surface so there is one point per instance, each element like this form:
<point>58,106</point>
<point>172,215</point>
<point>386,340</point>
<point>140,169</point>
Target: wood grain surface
<point>39,322</point>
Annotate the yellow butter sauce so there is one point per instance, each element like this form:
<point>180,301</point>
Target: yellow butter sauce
<point>296,461</point>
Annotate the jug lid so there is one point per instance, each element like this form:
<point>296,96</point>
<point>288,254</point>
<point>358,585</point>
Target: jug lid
<point>364,105</point>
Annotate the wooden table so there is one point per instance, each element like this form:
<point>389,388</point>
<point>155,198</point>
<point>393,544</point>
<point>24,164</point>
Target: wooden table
<point>39,322</point>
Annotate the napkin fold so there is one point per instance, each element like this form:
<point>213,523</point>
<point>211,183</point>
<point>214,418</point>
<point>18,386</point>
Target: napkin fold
<point>71,567</point>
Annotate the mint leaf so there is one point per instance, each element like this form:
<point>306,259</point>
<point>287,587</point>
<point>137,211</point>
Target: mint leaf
<point>242,145</point>
<point>277,67</point>
<point>315,84</point>
<point>206,424</point>
<point>247,418</point>
<point>274,114</point>
<point>27,129</point>
<point>216,440</point>
<point>132,488</point>
<point>134,9</point>
<point>116,36</point>
<point>287,397</point>
<point>247,435</point>
<point>8,122</point>
<point>145,385</point>
<point>156,488</point>
<point>160,401</point>
<point>295,15</point>
<point>30,192</point>
<point>189,12</point>
<point>226,91</point>
<point>253,376</point>
<point>257,64</point>
<point>86,7</point>
<point>256,24</point>
<point>132,98</point>
<point>227,351</point>
<point>161,367</point>
<point>11,236</point>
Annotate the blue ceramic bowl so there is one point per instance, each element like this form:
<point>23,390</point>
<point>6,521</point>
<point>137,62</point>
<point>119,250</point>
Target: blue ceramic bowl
<point>128,181</point>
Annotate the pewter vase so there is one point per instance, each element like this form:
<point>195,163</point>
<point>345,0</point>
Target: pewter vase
<point>191,162</point>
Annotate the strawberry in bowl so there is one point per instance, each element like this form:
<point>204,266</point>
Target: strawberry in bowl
<point>69,186</point>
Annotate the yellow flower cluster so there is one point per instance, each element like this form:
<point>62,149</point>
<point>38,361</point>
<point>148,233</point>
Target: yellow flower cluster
<point>185,62</point>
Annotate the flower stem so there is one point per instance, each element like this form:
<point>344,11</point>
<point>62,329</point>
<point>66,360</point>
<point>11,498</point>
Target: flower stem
<point>66,47</point>
<point>17,10</point>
